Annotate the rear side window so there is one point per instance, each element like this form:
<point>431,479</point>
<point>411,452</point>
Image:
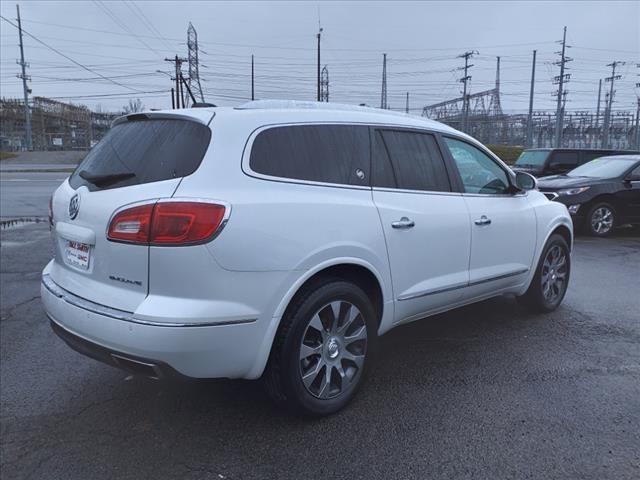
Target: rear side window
<point>588,156</point>
<point>320,153</point>
<point>143,151</point>
<point>409,160</point>
<point>564,160</point>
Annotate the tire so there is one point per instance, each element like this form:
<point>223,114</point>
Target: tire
<point>601,220</point>
<point>309,342</point>
<point>549,284</point>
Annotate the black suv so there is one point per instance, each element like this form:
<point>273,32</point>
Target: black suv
<point>599,195</point>
<point>540,162</point>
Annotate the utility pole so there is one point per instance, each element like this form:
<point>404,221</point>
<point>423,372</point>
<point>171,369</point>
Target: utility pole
<point>464,80</point>
<point>26,90</point>
<point>178,66</point>
<point>324,84</point>
<point>607,118</point>
<point>638,113</point>
<point>173,101</point>
<point>406,107</point>
<point>530,118</point>
<point>598,111</point>
<point>318,65</point>
<point>561,80</point>
<point>383,92</point>
<point>638,125</point>
<point>598,106</point>
<point>252,81</point>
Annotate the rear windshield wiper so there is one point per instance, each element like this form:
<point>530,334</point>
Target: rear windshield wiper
<point>104,179</point>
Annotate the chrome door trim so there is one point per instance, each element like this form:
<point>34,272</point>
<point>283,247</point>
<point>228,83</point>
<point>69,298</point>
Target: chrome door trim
<point>457,287</point>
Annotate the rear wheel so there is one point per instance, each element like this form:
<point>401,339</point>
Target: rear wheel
<point>551,279</point>
<point>322,348</point>
<point>600,220</point>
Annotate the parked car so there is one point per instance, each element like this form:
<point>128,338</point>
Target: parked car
<point>542,162</point>
<point>279,240</point>
<point>601,194</point>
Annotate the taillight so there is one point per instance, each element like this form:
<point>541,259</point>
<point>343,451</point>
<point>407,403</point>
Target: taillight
<point>167,223</point>
<point>131,225</point>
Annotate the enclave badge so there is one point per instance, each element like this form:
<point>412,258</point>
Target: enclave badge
<point>74,206</point>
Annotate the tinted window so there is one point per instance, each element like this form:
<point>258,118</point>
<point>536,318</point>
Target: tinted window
<point>409,160</point>
<point>479,172</point>
<point>143,151</point>
<point>588,156</point>
<point>532,158</point>
<point>383,174</point>
<point>564,160</point>
<point>321,153</point>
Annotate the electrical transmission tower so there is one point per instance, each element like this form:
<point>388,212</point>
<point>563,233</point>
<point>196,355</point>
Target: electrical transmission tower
<point>194,70</point>
<point>383,92</point>
<point>324,84</point>
<point>607,117</point>
<point>464,80</point>
<point>26,90</point>
<point>561,93</point>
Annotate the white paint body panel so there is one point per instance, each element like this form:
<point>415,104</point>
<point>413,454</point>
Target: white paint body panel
<point>280,234</point>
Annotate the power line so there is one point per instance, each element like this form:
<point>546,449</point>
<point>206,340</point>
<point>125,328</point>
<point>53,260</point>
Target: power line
<point>122,25</point>
<point>66,56</point>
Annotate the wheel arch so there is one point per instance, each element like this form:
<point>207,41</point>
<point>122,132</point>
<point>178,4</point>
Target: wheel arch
<point>355,270</point>
<point>603,198</point>
<point>564,232</point>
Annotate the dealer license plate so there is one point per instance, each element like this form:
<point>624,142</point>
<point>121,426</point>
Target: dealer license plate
<point>77,254</point>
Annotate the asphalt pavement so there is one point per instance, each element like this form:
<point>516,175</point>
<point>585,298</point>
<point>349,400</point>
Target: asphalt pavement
<point>485,391</point>
<point>26,193</point>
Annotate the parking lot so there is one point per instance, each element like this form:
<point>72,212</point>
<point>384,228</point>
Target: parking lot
<point>486,391</point>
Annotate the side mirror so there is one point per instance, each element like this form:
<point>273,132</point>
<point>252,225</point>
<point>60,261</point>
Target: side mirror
<point>526,181</point>
<point>632,178</point>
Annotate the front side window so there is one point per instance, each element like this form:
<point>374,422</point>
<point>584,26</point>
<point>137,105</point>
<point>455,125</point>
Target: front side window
<point>479,172</point>
<point>408,160</point>
<point>321,153</point>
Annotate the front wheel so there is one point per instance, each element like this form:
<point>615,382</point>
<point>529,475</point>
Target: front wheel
<point>600,220</point>
<point>322,348</point>
<point>551,279</point>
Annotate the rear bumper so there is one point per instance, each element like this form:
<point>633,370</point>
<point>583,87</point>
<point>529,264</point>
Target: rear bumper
<point>138,366</point>
<point>156,349</point>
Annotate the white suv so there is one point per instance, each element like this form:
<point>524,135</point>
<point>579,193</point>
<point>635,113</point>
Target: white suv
<point>279,239</point>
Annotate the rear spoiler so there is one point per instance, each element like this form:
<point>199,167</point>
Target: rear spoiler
<point>200,116</point>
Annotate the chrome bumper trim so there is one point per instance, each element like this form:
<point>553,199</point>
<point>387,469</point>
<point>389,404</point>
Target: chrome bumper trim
<point>80,302</point>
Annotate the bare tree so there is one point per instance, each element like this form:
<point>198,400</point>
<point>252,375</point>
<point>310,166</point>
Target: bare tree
<point>134,106</point>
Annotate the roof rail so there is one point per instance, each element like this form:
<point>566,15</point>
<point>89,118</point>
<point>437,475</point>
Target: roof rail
<point>301,104</point>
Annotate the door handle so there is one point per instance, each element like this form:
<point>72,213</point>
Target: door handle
<point>403,223</point>
<point>483,220</point>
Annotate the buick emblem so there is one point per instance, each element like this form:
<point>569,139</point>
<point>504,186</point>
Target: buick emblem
<point>74,206</point>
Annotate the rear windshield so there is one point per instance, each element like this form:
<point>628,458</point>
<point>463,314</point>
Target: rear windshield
<point>143,151</point>
<point>532,158</point>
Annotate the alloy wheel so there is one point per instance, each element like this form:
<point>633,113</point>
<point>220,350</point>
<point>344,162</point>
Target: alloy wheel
<point>554,274</point>
<point>333,349</point>
<point>602,220</point>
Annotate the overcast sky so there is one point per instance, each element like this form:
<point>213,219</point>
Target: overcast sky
<point>128,41</point>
